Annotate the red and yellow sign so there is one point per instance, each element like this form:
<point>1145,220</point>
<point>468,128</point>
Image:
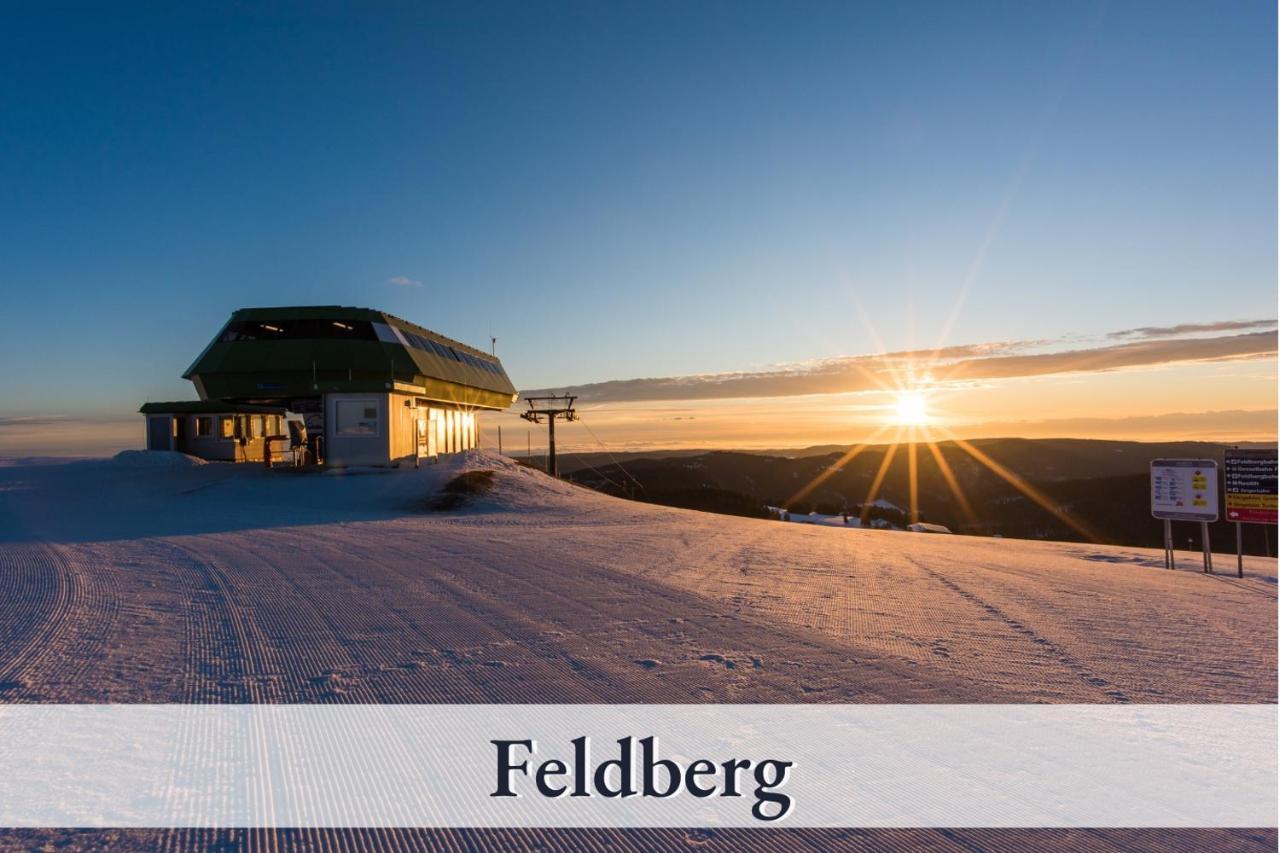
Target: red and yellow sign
<point>1250,494</point>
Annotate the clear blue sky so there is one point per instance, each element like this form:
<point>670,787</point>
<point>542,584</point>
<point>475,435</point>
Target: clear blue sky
<point>624,189</point>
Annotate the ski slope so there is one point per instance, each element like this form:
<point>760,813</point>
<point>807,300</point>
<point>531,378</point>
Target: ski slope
<point>150,578</point>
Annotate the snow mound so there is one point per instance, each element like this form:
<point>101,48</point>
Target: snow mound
<point>155,459</point>
<point>516,486</point>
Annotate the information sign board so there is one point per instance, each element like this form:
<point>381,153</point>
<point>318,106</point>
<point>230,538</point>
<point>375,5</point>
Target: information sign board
<point>1184,489</point>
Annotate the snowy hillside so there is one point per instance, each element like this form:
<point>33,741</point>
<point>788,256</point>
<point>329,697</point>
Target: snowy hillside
<point>150,579</point>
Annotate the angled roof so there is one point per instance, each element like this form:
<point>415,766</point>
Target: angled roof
<point>208,407</point>
<point>267,353</point>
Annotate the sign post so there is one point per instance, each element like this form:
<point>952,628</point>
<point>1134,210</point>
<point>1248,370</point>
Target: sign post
<point>1250,492</point>
<point>1185,490</point>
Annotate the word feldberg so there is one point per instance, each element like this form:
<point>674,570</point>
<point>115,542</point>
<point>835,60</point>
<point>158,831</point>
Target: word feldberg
<point>702,778</point>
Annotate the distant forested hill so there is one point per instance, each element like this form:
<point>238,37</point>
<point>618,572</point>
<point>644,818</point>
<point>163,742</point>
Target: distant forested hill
<point>1101,485</point>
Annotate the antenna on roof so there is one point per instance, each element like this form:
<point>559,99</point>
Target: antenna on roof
<point>493,345</point>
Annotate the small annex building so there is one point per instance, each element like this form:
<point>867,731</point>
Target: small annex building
<point>370,389</point>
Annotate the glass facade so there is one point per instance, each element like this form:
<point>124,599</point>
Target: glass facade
<point>445,430</point>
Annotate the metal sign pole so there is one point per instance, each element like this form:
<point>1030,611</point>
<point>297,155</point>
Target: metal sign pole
<point>1168,545</point>
<point>1204,546</point>
<point>1239,550</point>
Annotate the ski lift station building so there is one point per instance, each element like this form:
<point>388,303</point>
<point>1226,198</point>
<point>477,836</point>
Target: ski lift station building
<point>371,388</point>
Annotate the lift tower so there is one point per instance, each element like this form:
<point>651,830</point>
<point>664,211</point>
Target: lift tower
<point>550,408</point>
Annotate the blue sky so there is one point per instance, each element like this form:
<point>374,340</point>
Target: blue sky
<point>623,190</point>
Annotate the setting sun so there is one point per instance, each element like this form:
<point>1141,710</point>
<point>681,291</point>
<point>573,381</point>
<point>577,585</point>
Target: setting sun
<point>911,409</point>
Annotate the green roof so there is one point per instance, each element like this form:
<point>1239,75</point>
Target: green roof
<point>208,407</point>
<point>271,353</point>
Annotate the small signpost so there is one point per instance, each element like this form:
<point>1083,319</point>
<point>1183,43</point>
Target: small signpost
<point>1185,490</point>
<point>1250,492</point>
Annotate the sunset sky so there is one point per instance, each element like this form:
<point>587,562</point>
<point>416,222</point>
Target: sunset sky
<point>721,224</point>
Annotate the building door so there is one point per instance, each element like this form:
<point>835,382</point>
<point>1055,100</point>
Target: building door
<point>159,432</point>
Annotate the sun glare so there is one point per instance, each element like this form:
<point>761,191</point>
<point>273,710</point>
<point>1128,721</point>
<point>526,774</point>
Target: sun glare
<point>911,409</point>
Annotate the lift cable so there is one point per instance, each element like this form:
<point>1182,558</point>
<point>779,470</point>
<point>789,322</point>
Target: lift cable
<point>603,476</point>
<point>613,458</point>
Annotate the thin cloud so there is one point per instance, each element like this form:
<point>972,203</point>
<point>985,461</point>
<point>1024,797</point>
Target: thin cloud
<point>1004,360</point>
<point>404,281</point>
<point>1192,329</point>
<point>29,421</point>
<point>1237,424</point>
<point>1136,354</point>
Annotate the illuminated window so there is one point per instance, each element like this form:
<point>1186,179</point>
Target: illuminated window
<point>204,427</point>
<point>227,427</point>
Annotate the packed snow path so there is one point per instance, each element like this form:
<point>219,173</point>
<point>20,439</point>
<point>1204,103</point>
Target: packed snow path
<point>134,581</point>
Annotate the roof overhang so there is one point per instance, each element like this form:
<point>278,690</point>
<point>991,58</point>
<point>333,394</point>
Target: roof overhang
<point>209,407</point>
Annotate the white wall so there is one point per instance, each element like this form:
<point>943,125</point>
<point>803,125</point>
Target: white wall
<point>351,449</point>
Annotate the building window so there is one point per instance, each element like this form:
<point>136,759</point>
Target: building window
<point>356,418</point>
<point>227,427</point>
<point>204,427</point>
<point>259,426</point>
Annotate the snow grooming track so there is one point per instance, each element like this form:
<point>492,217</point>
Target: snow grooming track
<point>1046,645</point>
<point>1161,635</point>
<point>37,596</point>
<point>216,642</point>
<point>257,671</point>
<point>55,617</point>
<point>602,651</point>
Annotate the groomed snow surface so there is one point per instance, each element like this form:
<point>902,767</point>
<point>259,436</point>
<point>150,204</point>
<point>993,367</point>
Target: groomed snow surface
<point>149,578</point>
